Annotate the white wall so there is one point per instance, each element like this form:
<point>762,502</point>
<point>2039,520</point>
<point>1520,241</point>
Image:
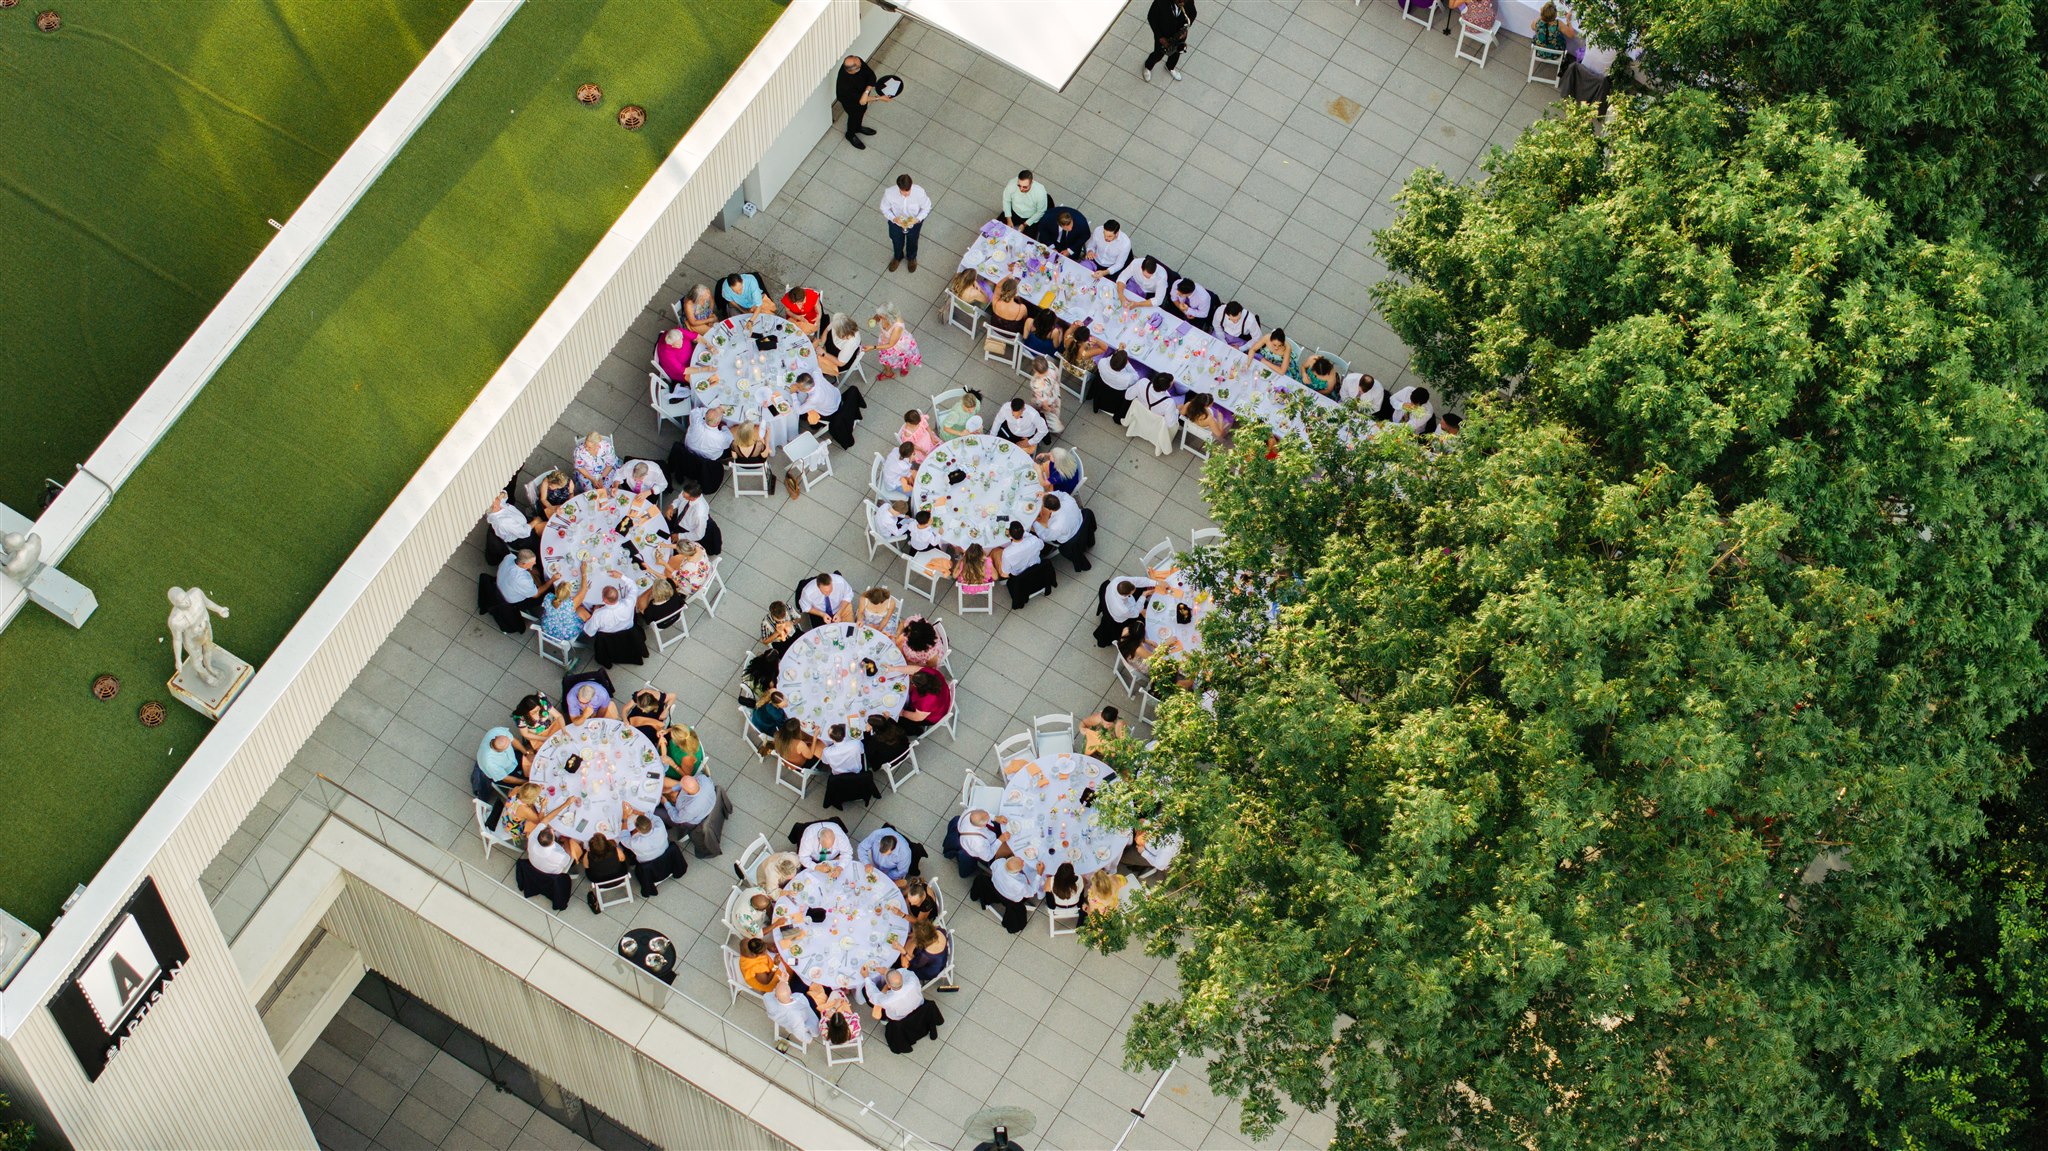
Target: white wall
<point>816,117</point>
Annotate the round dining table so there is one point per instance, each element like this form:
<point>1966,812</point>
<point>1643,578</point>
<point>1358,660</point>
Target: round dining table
<point>998,483</point>
<point>755,385</point>
<point>1160,612</point>
<point>861,930</point>
<point>587,530</point>
<point>617,767</point>
<point>1049,824</point>
<point>824,677</point>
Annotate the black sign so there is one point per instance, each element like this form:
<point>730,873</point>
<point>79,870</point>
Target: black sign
<point>103,1002</point>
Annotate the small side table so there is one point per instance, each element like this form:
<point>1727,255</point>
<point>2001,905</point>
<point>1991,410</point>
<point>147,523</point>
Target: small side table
<point>654,953</point>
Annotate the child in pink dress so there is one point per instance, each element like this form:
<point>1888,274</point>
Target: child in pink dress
<point>917,432</point>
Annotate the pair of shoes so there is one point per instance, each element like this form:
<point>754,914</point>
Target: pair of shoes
<point>894,264</point>
<point>1145,73</point>
<point>591,899</point>
<point>649,892</point>
<point>867,131</point>
<point>913,265</point>
<point>857,142</point>
<point>1175,73</point>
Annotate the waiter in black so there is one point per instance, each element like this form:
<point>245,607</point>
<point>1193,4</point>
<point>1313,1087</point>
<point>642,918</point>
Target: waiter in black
<point>856,92</point>
<point>1169,20</point>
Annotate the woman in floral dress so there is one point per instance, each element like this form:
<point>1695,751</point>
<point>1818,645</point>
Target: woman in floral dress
<point>894,344</point>
<point>1045,392</point>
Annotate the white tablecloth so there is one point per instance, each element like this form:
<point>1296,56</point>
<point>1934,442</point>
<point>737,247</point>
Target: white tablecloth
<point>751,381</point>
<point>823,682</point>
<point>619,767</point>
<point>1047,822</point>
<point>1001,485</point>
<point>1154,338</point>
<point>866,924</point>
<point>1159,612</point>
<point>587,528</point>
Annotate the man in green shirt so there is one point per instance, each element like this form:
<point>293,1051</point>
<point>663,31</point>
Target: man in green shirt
<point>1024,202</point>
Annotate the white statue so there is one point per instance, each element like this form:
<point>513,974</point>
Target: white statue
<point>192,631</point>
<point>19,554</point>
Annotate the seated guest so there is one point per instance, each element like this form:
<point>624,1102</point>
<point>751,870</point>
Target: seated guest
<point>1479,15</point>
<point>1022,424</point>
<point>778,627</point>
<point>966,284</point>
<point>840,1024</point>
<point>924,538</point>
<point>884,740</point>
<point>760,967</point>
<point>1108,249</point>
<point>823,404</point>
<point>1155,413</point>
<point>768,714</point>
<point>926,953</point>
<point>1024,202</point>
<point>534,722</point>
<point>1191,302</point>
<point>922,642</point>
<point>688,569</point>
<point>1273,350</point>
<point>614,629</point>
<point>1200,410</point>
<point>1450,425</point>
<point>887,850</point>
<point>800,305</point>
<point>960,418</point>
<point>545,869</point>
<point>899,472</point>
<point>1064,892</point>
<point>518,591</point>
<point>590,700</point>
<point>1146,285</point>
<point>1020,563</point>
<point>839,350</point>
<point>928,703</point>
<point>696,311</point>
<point>1412,407</point>
<point>1064,230</point>
<point>877,609</point>
<point>917,432</point>
<point>1105,893</point>
<point>1150,850</point>
<point>689,518</point>
<point>741,292</point>
<point>511,529</point>
<point>1009,887</point>
<point>793,1014</point>
<point>1100,728</point>
<point>974,571</point>
<point>1059,470</point>
<point>638,478</point>
<point>1064,524</point>
<point>672,354</point>
<point>826,598</point>
<point>603,862</point>
<point>595,461</point>
<point>1081,348</point>
<point>655,857</point>
<point>1042,332</point>
<point>749,446</point>
<point>496,770</point>
<point>918,897</point>
<point>1109,388</point>
<point>559,620</point>
<point>523,812</point>
<point>1007,313</point>
<point>697,811</point>
<point>975,838</point>
<point>683,753</point>
<point>1046,393</point>
<point>647,712</point>
<point>825,841</point>
<point>908,1016</point>
<point>848,778</point>
<point>703,450</point>
<point>752,912</point>
<point>890,518</point>
<point>796,746</point>
<point>1123,608</point>
<point>1362,391</point>
<point>1238,325</point>
<point>1320,374</point>
<point>773,873</point>
<point>554,490</point>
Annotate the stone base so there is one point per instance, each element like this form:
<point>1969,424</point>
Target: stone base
<point>231,675</point>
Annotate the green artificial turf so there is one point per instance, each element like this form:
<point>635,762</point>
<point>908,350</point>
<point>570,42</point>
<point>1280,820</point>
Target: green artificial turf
<point>310,429</point>
<point>143,149</point>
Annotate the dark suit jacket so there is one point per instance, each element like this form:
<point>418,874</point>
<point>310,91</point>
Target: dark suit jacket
<point>1170,18</point>
<point>1075,242</point>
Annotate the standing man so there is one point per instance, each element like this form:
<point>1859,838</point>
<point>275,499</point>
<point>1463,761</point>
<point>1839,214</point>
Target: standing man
<point>1025,202</point>
<point>1169,20</point>
<point>905,206</point>
<point>856,92</point>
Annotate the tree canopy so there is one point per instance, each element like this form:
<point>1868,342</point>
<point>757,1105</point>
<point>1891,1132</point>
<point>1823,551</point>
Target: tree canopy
<point>1593,780</point>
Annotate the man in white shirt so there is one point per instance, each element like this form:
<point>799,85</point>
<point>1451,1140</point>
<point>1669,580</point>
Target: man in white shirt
<point>1110,390</point>
<point>614,614</point>
<point>1109,249</point>
<point>545,870</point>
<point>516,585</point>
<point>1412,407</point>
<point>690,518</point>
<point>1150,850</point>
<point>1010,885</point>
<point>898,998</point>
<point>905,206</point>
<point>826,841</point>
<point>887,850</point>
<point>1145,286</point>
<point>791,1012</point>
<point>697,809</point>
<point>976,837</point>
<point>842,756</point>
<point>510,527</point>
<point>1238,325</point>
<point>1020,423</point>
<point>923,536</point>
<point>827,598</point>
<point>898,469</point>
<point>1363,391</point>
<point>1191,302</point>
<point>1059,519</point>
<point>705,447</point>
<point>1123,602</point>
<point>655,858</point>
<point>1020,563</point>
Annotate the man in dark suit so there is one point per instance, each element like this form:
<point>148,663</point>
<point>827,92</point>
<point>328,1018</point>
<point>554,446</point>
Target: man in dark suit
<point>1169,20</point>
<point>1065,230</point>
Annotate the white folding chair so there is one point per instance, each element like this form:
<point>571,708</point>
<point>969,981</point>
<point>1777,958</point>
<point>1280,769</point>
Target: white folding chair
<point>836,1053</point>
<point>748,479</point>
<point>1054,916</point>
<point>1551,57</point>
<point>759,740</point>
<point>985,598</point>
<point>784,1035</point>
<point>875,484</point>
<point>751,858</point>
<point>1081,470</point>
<point>1428,17</point>
<point>1129,676</point>
<point>811,457</point>
<point>1342,365</point>
<point>857,366</point>
<point>672,631</point>
<point>561,653</point>
<point>613,893</point>
<point>1002,347</point>
<point>952,721</point>
<point>1195,439</point>
<point>1073,378</point>
<point>1148,705</point>
<point>902,768</point>
<point>1158,557</point>
<point>732,906</point>
<point>1018,746</point>
<point>1205,538</point>
<point>955,307</point>
<point>1483,37</point>
<point>659,372</point>
<point>876,540</point>
<point>668,408</point>
<point>734,981</point>
<point>1053,734</point>
<point>916,568</point>
<point>492,836</point>
<point>789,775</point>
<point>712,593</point>
<point>944,399</point>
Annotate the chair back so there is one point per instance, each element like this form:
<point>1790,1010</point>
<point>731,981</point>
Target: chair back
<point>1018,746</point>
<point>1156,559</point>
<point>748,479</point>
<point>755,852</point>
<point>613,893</point>
<point>1205,538</point>
<point>734,981</point>
<point>901,769</point>
<point>732,906</point>
<point>1053,734</point>
<point>976,598</point>
<point>848,1052</point>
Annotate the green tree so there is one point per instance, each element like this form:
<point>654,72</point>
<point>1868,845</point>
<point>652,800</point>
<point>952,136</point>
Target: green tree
<point>1589,785</point>
<point>1949,101</point>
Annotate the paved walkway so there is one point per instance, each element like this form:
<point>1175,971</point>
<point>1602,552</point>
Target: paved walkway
<point>1262,174</point>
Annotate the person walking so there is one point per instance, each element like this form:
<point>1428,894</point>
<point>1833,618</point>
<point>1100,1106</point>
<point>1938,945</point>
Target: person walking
<point>856,92</point>
<point>1170,20</point>
<point>905,206</point>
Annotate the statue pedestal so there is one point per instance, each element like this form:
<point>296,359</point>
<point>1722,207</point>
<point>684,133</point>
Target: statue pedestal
<point>231,675</point>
